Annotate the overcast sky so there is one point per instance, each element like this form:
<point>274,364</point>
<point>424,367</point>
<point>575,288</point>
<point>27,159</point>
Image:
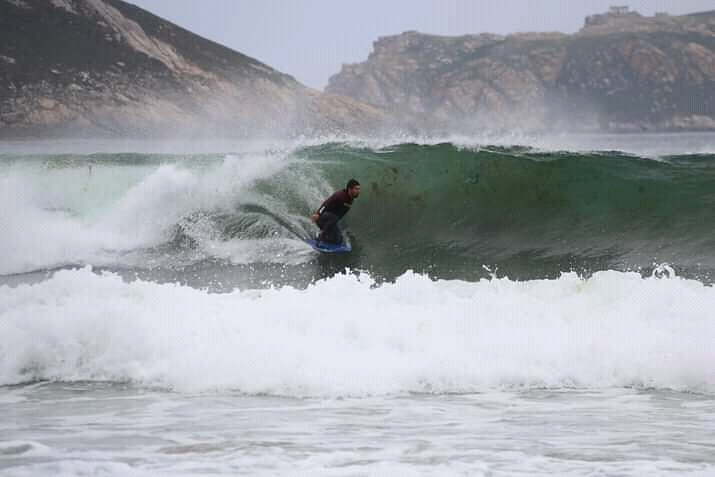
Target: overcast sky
<point>311,39</point>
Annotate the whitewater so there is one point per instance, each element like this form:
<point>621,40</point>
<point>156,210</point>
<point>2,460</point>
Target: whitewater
<point>160,313</point>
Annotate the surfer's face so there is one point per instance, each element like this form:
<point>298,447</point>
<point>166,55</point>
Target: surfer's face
<point>354,191</point>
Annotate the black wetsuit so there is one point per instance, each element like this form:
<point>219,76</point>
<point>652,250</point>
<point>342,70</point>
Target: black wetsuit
<point>332,210</point>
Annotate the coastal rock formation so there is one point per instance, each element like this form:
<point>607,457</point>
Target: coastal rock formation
<point>621,72</point>
<point>108,67</point>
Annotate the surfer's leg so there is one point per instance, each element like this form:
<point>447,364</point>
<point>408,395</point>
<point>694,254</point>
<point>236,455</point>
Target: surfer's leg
<point>330,232</point>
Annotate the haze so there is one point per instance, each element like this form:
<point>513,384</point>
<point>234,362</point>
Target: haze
<point>311,39</point>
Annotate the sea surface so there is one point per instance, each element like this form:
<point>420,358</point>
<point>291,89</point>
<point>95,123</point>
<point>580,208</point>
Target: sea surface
<point>512,306</point>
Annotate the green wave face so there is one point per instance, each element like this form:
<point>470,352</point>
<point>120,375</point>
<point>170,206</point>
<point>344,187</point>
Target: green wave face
<point>442,210</point>
<point>451,212</point>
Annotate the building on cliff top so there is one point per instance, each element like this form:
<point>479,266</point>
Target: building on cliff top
<point>618,10</point>
<point>614,13</point>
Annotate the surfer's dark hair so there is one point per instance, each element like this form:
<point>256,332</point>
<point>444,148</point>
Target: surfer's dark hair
<point>352,183</point>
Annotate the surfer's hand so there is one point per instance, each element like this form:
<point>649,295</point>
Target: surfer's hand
<point>314,217</point>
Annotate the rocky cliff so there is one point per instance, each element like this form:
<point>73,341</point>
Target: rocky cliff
<point>107,67</point>
<point>621,72</point>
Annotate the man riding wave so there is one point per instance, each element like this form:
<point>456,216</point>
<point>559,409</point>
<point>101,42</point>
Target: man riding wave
<point>332,210</point>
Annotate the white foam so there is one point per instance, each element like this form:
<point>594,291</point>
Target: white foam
<point>76,215</point>
<point>344,336</point>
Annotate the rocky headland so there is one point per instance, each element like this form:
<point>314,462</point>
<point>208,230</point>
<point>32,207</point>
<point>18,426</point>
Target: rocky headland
<point>108,68</point>
<point>621,72</point>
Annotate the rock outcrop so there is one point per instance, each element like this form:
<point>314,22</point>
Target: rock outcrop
<point>88,67</point>
<point>621,72</point>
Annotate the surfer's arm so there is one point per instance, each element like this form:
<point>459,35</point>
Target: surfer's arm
<point>325,205</point>
<point>316,215</point>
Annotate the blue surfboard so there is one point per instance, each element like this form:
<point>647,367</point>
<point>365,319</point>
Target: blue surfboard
<point>327,247</point>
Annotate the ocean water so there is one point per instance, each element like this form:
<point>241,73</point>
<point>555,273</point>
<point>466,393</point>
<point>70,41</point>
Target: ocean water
<point>512,306</point>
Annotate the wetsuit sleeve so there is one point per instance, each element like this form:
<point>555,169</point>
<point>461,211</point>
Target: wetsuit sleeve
<point>331,203</point>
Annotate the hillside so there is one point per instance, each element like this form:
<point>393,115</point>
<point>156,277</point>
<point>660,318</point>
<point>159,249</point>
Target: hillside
<point>106,67</point>
<point>89,67</point>
<point>622,72</point>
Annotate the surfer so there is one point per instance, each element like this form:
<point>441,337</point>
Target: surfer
<point>332,210</point>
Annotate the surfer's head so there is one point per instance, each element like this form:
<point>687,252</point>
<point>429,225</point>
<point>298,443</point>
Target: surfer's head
<point>353,188</point>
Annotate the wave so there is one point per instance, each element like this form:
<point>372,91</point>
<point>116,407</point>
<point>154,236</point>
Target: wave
<point>447,210</point>
<point>440,209</point>
<point>347,336</point>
